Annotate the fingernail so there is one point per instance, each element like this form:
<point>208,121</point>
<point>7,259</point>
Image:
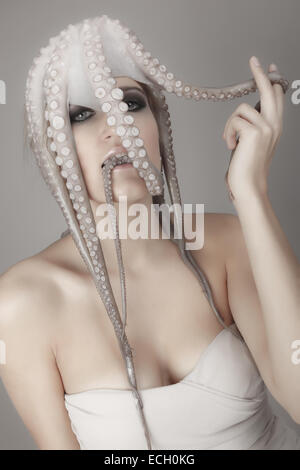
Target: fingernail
<point>273,68</point>
<point>255,61</point>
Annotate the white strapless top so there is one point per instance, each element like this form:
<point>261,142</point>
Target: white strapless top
<point>221,404</point>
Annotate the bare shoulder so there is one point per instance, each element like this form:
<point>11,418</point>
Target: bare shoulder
<point>218,231</point>
<point>35,288</point>
<point>29,302</point>
<point>25,300</point>
<point>28,291</point>
<point>219,225</point>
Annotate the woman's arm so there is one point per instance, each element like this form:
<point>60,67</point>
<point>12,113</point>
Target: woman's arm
<point>274,266</point>
<point>30,374</point>
<point>259,246</point>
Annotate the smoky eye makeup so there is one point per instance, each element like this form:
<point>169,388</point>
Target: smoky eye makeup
<point>131,95</point>
<point>135,97</point>
<point>75,110</point>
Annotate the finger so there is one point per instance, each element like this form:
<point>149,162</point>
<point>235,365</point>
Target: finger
<point>247,112</point>
<point>278,91</point>
<point>279,95</point>
<point>236,126</point>
<point>268,103</point>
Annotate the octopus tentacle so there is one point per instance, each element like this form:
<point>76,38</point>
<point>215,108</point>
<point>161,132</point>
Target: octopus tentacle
<point>109,98</point>
<point>108,165</point>
<point>159,74</point>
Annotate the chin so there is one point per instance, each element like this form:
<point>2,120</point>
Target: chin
<point>134,193</point>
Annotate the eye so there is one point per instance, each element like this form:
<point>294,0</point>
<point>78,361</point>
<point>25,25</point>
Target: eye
<point>82,115</point>
<point>137,102</point>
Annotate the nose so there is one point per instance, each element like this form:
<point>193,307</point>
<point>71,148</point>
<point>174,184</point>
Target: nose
<point>109,135</point>
<point>106,124</point>
<point>109,140</point>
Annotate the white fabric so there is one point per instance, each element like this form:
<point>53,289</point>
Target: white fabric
<point>221,404</point>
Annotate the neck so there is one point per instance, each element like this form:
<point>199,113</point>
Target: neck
<point>138,246</point>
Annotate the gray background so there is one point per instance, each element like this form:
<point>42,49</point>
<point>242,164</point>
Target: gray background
<point>203,42</point>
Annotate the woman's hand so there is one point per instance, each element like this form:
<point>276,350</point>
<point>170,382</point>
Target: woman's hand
<point>258,134</point>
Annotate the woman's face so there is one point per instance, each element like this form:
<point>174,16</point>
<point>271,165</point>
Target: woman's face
<point>94,138</point>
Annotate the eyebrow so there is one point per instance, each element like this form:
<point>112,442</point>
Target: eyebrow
<point>127,88</point>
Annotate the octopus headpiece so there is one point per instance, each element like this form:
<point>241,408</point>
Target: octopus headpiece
<point>91,53</point>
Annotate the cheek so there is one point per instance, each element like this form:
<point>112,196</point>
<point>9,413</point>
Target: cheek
<point>88,163</point>
<point>83,147</point>
<point>150,135</point>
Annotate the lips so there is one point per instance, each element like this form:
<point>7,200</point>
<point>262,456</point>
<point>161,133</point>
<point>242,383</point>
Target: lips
<point>114,151</point>
<point>123,165</point>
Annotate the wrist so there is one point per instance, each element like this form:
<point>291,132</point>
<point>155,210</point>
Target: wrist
<point>248,195</point>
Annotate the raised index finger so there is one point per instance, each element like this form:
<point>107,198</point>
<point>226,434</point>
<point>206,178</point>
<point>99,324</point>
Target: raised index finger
<point>268,101</point>
<point>278,91</point>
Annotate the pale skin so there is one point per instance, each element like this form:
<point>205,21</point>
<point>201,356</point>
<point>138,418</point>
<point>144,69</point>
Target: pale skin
<point>58,336</point>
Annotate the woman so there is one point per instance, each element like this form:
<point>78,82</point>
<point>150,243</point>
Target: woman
<point>67,354</point>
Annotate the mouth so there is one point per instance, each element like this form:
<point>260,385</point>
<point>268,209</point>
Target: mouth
<point>120,159</point>
<point>123,166</point>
